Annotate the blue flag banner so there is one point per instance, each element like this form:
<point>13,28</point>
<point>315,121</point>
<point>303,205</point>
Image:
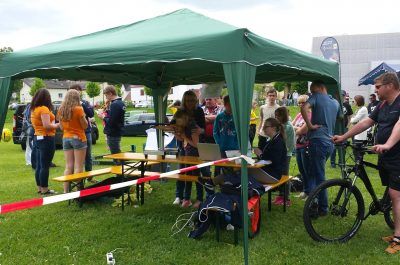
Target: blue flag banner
<point>330,49</point>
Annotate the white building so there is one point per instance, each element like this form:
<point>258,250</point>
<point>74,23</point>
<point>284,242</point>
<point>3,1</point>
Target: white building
<point>359,54</point>
<point>57,89</point>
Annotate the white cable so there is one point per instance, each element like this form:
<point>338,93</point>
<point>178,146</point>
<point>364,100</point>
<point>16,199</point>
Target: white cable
<point>187,222</point>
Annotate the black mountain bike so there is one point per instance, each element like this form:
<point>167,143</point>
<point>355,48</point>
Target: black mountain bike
<point>340,219</point>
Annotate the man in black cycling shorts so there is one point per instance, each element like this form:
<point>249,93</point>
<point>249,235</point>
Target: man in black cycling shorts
<point>387,116</point>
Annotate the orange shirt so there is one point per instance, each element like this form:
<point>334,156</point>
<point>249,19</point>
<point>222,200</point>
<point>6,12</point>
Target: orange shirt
<point>36,118</point>
<point>73,128</point>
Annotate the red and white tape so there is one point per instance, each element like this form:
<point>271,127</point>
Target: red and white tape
<point>22,205</point>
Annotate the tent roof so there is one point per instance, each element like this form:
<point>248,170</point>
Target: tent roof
<point>368,79</point>
<point>182,47</point>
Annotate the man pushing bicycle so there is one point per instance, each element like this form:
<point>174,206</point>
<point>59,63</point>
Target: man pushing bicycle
<point>387,116</point>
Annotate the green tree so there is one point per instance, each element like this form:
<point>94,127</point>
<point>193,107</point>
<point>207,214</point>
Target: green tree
<point>92,90</point>
<point>118,89</point>
<point>301,87</point>
<point>37,84</point>
<point>148,91</point>
<point>280,86</point>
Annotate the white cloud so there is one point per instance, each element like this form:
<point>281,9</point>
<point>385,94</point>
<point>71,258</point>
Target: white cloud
<point>28,23</point>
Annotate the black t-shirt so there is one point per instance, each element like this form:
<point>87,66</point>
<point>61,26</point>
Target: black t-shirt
<point>387,116</point>
<point>372,105</point>
<point>347,112</point>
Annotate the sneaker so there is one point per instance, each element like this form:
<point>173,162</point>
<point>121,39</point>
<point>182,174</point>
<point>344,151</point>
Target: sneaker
<point>278,200</point>
<point>288,202</point>
<point>302,195</point>
<point>230,227</point>
<point>322,213</point>
<point>49,192</point>
<point>186,203</point>
<point>387,239</point>
<point>177,201</point>
<point>394,246</point>
<point>196,205</point>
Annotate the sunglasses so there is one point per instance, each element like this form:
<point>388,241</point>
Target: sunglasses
<point>379,86</point>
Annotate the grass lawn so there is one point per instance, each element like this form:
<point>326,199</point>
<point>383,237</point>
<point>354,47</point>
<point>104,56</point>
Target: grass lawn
<point>62,234</point>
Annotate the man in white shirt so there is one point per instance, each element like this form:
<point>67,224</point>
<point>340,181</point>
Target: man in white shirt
<point>267,111</point>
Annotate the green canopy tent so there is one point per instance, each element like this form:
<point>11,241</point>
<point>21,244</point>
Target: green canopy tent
<point>182,47</point>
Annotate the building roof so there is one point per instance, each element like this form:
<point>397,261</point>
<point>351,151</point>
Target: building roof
<point>55,83</point>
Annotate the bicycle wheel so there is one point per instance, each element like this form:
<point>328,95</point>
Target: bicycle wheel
<point>340,218</point>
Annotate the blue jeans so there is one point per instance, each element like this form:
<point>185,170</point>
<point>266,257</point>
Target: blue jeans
<point>88,158</point>
<point>320,150</point>
<point>34,153</point>
<point>114,143</point>
<point>44,155</point>
<point>303,162</point>
<point>184,188</point>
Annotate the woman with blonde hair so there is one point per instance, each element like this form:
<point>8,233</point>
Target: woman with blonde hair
<point>73,123</point>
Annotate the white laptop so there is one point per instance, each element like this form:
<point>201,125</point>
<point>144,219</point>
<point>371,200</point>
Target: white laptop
<point>261,176</point>
<point>209,152</point>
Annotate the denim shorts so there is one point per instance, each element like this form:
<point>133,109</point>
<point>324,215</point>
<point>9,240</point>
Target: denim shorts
<point>73,144</point>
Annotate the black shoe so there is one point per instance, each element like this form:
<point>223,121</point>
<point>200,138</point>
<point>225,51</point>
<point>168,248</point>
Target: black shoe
<point>322,213</point>
<point>313,210</point>
<point>52,164</point>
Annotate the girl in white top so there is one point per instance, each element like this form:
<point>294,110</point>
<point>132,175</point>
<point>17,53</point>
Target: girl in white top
<point>361,114</point>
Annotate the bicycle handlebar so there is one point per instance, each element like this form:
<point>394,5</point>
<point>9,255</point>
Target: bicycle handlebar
<point>360,148</point>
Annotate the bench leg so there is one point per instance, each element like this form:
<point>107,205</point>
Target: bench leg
<point>142,194</point>
<point>284,197</point>
<point>137,193</point>
<point>123,201</point>
<point>236,235</point>
<point>269,200</point>
<point>217,226</point>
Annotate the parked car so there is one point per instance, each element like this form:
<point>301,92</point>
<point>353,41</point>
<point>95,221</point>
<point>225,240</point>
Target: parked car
<point>137,124</point>
<point>17,128</point>
<point>144,104</point>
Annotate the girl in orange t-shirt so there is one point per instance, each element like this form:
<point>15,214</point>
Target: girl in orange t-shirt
<point>43,122</point>
<point>73,123</point>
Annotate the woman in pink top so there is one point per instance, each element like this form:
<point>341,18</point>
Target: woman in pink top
<point>302,154</point>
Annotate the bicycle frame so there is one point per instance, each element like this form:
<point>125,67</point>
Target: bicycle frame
<point>377,205</point>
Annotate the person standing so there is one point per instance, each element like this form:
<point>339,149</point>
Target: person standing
<point>325,111</point>
<point>253,123</point>
<point>361,114</point>
<point>302,149</point>
<point>387,116</point>
<point>89,113</point>
<point>295,96</point>
<point>347,112</point>
<point>113,119</point>
<point>195,113</point>
<point>211,110</point>
<point>73,122</point>
<point>43,122</point>
<point>224,129</point>
<point>267,111</point>
<point>372,103</point>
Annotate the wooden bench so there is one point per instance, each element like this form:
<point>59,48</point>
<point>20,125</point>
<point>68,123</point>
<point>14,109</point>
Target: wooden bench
<point>83,175</point>
<point>283,181</point>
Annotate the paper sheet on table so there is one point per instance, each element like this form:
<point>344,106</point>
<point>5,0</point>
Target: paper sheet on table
<point>151,141</point>
<point>264,162</point>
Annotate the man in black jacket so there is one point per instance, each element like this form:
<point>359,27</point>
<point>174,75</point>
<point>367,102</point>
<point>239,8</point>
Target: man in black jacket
<point>114,119</point>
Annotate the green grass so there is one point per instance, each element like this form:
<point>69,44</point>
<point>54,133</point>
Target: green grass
<point>62,234</point>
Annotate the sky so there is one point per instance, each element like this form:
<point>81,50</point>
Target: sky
<point>27,23</point>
